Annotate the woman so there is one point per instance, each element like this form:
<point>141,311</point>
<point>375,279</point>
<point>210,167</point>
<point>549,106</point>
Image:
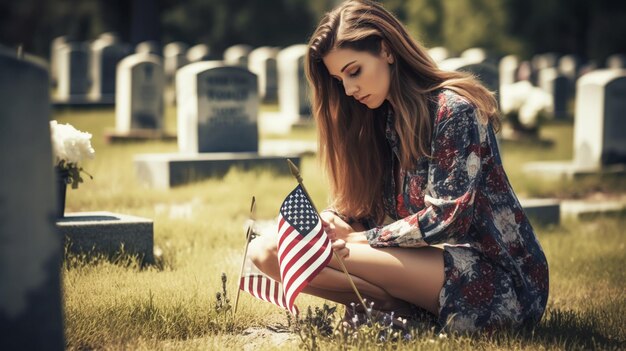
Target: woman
<point>423,213</point>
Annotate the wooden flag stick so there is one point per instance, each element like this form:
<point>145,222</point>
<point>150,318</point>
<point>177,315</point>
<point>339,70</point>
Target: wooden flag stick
<point>296,173</point>
<point>245,250</point>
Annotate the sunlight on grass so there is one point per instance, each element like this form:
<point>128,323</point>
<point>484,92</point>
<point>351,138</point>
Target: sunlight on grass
<point>199,229</point>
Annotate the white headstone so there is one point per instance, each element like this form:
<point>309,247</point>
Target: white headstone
<point>475,55</point>
<point>557,85</point>
<point>293,93</point>
<point>507,68</point>
<point>73,62</point>
<point>438,53</point>
<point>106,53</point>
<point>569,66</point>
<point>487,73</point>
<point>148,47</point>
<point>616,61</point>
<point>174,57</point>
<point>30,246</point>
<point>139,97</point>
<point>217,108</point>
<point>200,52</point>
<point>262,62</point>
<point>599,128</point>
<point>54,52</point>
<point>237,55</point>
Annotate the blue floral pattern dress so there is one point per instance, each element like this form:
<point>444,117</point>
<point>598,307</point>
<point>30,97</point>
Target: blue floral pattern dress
<point>496,274</point>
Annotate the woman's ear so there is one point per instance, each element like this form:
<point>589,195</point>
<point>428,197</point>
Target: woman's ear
<point>386,53</point>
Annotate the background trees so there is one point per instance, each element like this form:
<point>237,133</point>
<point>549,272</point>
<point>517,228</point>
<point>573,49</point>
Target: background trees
<point>591,29</point>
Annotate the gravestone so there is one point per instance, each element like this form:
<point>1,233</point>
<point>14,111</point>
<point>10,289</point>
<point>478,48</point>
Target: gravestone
<point>600,131</point>
<point>73,63</point>
<point>599,128</point>
<point>557,85</point>
<point>616,61</point>
<point>542,61</point>
<point>175,57</point>
<point>438,53</point>
<point>200,52</point>
<point>148,47</point>
<point>237,55</point>
<point>218,108</point>
<point>139,98</point>
<point>507,69</point>
<point>30,246</point>
<point>569,66</point>
<point>54,53</point>
<point>487,73</point>
<point>293,95</point>
<point>217,128</point>
<point>475,55</point>
<point>106,53</point>
<point>262,62</point>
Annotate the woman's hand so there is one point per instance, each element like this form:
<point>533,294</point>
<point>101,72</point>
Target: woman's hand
<point>340,233</point>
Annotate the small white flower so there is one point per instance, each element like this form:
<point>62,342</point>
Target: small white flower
<point>70,144</point>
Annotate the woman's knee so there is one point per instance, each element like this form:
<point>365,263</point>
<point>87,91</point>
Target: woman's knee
<point>263,253</point>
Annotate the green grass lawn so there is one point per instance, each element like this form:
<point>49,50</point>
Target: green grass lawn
<point>199,230</point>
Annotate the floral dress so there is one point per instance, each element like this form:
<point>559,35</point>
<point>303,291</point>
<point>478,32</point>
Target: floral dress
<point>496,274</point>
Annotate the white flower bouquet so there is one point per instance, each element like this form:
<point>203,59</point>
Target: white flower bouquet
<point>69,147</point>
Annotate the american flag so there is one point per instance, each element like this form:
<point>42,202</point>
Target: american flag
<point>259,285</point>
<point>303,246</point>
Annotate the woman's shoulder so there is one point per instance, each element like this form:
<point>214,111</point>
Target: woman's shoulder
<point>448,103</point>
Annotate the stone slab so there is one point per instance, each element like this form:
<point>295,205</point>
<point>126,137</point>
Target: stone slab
<point>570,170</point>
<point>583,209</point>
<point>164,171</point>
<point>113,137</point>
<point>105,232</point>
<point>542,211</point>
<point>280,147</point>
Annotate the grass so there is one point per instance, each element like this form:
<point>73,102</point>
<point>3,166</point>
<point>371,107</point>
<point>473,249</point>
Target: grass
<point>112,305</point>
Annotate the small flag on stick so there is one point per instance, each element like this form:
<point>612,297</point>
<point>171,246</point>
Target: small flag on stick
<point>257,284</point>
<point>304,249</point>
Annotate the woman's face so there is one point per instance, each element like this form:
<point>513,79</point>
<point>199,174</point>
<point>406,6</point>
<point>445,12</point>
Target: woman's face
<point>364,76</point>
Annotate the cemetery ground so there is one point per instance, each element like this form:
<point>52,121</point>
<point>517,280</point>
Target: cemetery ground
<point>199,234</point>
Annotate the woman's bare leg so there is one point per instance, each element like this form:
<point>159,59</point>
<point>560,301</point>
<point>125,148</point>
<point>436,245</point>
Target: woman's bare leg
<point>415,275</point>
<point>331,284</point>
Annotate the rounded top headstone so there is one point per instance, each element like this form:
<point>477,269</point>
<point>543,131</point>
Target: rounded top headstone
<point>439,53</point>
<point>199,52</point>
<point>174,48</point>
<point>475,55</point>
<point>237,55</point>
<point>601,77</point>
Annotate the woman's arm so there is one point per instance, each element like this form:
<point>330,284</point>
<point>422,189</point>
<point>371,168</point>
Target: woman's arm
<point>453,178</point>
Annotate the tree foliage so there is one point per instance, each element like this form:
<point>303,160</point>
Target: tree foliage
<point>592,29</point>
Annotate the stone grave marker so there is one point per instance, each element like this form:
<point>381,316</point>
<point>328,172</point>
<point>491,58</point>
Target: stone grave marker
<point>199,52</point>
<point>54,53</point>
<point>507,69</point>
<point>106,53</point>
<point>557,85</point>
<point>73,63</point>
<point>218,108</point>
<point>262,62</point>
<point>438,53</point>
<point>148,47</point>
<point>475,55</point>
<point>139,98</point>
<point>217,128</point>
<point>30,247</point>
<point>237,55</point>
<point>599,128</point>
<point>293,95</point>
<point>174,57</point>
<point>616,61</point>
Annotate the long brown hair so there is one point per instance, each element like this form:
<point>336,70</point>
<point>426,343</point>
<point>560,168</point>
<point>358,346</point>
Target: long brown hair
<point>351,136</point>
